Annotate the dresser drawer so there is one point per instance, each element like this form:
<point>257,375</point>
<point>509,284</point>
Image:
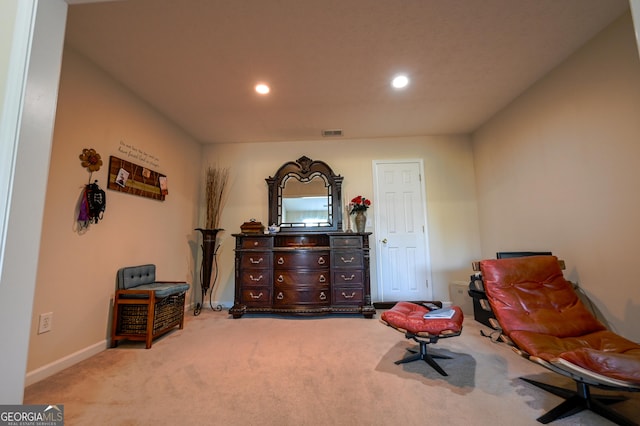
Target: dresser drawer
<point>347,296</point>
<point>347,277</point>
<point>255,260</point>
<point>348,259</point>
<point>256,296</point>
<point>256,243</point>
<point>294,278</point>
<point>301,296</point>
<point>308,240</point>
<point>254,278</point>
<point>346,242</point>
<point>303,259</point>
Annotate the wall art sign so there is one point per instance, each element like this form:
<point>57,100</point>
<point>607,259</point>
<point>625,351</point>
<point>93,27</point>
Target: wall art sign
<point>125,176</point>
<point>134,153</point>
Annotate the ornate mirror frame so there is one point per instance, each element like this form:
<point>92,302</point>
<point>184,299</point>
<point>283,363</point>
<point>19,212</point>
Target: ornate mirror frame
<point>304,169</point>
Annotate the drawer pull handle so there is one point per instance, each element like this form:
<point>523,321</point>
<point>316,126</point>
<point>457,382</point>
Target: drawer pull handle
<point>322,279</point>
<point>348,279</point>
<point>254,296</point>
<point>353,294</point>
<point>280,261</point>
<point>280,278</point>
<point>280,296</point>
<point>255,243</point>
<point>347,260</point>
<point>255,262</point>
<point>255,279</point>
<point>321,261</point>
<point>323,296</point>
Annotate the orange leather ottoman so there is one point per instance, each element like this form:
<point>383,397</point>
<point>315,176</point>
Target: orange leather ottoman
<point>409,319</point>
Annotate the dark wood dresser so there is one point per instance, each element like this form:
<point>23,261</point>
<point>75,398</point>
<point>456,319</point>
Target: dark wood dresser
<point>305,273</point>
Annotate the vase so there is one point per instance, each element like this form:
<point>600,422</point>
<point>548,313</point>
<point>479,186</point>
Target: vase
<point>209,263</point>
<point>361,221</point>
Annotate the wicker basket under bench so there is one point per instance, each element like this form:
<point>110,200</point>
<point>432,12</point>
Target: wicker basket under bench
<point>144,308</point>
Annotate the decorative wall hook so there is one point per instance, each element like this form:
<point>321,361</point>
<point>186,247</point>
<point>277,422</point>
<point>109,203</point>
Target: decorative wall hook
<point>91,160</point>
<point>93,200</point>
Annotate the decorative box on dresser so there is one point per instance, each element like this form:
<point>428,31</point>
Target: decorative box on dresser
<point>302,273</point>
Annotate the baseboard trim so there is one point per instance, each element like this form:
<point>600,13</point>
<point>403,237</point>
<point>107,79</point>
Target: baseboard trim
<point>66,362</point>
<point>223,305</point>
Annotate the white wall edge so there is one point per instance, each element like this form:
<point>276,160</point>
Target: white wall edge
<point>635,14</point>
<point>64,363</point>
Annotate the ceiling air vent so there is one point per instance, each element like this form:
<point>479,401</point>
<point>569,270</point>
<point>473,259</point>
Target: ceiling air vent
<point>332,133</point>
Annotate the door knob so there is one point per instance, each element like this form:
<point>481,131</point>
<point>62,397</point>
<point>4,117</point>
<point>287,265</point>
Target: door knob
<point>384,241</point>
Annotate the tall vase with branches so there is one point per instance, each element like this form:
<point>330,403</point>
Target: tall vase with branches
<point>215,191</point>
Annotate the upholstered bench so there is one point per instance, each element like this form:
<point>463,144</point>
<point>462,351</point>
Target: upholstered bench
<point>408,318</point>
<point>144,308</point>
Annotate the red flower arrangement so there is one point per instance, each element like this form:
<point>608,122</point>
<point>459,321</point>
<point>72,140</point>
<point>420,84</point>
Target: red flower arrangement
<point>359,204</point>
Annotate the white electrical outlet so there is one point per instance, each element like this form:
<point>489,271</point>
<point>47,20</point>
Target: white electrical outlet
<point>46,322</point>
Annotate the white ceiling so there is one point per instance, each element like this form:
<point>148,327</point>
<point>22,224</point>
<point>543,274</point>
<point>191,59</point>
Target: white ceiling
<point>329,62</point>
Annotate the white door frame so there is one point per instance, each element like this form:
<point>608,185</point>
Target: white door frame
<point>378,243</point>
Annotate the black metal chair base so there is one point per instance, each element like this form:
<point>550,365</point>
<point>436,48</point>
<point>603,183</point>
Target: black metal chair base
<point>424,355</point>
<point>579,400</point>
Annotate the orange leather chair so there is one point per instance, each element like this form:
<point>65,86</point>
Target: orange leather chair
<point>541,315</point>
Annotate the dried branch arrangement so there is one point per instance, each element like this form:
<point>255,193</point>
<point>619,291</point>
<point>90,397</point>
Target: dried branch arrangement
<point>217,179</point>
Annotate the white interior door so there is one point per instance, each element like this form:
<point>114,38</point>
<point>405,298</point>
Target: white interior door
<point>401,229</point>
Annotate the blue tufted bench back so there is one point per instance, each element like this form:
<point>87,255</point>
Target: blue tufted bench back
<point>134,276</point>
<point>143,277</point>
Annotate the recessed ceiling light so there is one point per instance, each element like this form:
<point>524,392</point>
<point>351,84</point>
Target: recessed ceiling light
<point>262,88</point>
<point>400,81</point>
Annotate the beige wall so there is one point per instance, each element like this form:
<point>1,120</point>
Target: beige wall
<point>76,270</point>
<point>557,170</point>
<point>451,201</point>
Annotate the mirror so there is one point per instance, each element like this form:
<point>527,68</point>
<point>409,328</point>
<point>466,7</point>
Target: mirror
<point>306,202</point>
<point>305,195</point>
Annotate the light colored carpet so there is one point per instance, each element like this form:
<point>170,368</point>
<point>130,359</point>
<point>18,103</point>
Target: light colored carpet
<point>272,370</point>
